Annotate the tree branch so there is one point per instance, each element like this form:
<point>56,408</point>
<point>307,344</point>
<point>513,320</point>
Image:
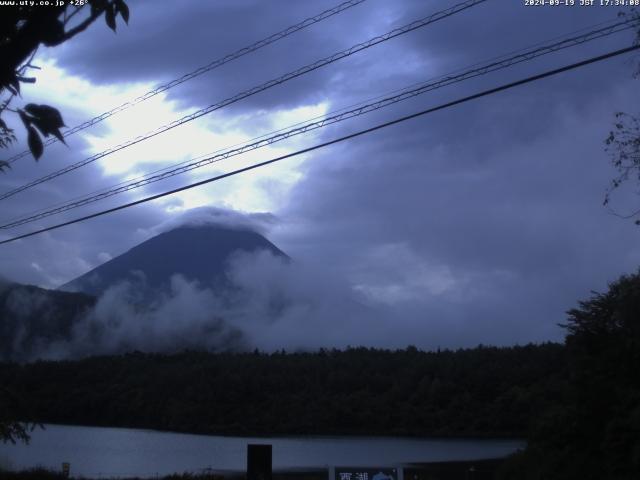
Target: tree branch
<point>66,20</point>
<point>81,27</point>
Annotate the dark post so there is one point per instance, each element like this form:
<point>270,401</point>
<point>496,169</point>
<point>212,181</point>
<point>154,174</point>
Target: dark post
<point>258,462</point>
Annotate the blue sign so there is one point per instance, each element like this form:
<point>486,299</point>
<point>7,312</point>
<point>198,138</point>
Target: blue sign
<point>355,473</point>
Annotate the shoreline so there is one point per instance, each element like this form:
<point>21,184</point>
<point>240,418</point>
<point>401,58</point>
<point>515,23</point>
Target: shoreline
<point>351,436</point>
<point>447,470</point>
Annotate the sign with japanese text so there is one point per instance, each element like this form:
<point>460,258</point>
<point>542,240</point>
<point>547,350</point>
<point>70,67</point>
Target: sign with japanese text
<point>368,473</point>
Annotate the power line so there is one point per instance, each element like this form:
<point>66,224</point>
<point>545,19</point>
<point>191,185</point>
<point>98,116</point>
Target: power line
<point>201,70</point>
<point>491,91</point>
<point>252,91</point>
<point>340,116</point>
<point>263,141</point>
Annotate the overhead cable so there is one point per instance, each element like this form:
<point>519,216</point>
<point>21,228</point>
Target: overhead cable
<point>201,70</point>
<point>485,93</point>
<point>305,127</point>
<point>252,91</point>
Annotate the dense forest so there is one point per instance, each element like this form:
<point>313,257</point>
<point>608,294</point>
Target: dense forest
<point>478,392</point>
<point>594,433</point>
<point>577,404</point>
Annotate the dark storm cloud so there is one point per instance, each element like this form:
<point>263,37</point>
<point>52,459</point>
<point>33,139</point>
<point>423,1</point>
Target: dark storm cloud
<point>504,193</point>
<point>165,41</point>
<point>481,223</point>
<point>497,27</point>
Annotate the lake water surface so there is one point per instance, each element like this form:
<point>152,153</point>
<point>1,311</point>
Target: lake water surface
<point>112,452</point>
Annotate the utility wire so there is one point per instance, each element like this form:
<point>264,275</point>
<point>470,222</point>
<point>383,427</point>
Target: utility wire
<point>252,91</point>
<point>201,70</point>
<point>198,162</point>
<point>459,101</point>
<point>169,167</point>
<point>305,127</point>
<point>612,26</point>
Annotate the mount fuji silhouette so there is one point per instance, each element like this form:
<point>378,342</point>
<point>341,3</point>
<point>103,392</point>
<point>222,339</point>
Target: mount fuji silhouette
<point>199,253</point>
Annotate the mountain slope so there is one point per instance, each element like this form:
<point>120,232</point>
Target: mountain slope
<point>198,253</point>
<point>33,318</point>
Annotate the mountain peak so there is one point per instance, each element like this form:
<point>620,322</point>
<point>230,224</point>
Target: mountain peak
<point>197,252</point>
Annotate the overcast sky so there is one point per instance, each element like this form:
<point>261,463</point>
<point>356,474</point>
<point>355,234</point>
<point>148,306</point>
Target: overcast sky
<point>482,223</point>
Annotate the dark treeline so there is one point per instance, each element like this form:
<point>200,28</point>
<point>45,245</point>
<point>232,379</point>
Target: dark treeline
<point>578,404</point>
<point>484,391</point>
<point>594,433</point>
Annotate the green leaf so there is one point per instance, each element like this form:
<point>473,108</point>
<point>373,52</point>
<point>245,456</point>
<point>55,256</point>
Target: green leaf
<point>49,114</point>
<point>97,6</point>
<point>35,143</point>
<point>110,17</point>
<point>56,133</point>
<point>14,86</point>
<point>123,9</point>
<point>47,119</point>
<point>41,125</point>
<point>51,32</point>
<point>26,120</point>
<point>33,109</point>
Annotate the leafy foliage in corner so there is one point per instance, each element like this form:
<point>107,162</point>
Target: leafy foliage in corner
<point>10,430</point>
<point>23,28</point>
<point>7,136</point>
<point>623,145</point>
<point>47,120</point>
<point>595,433</point>
<point>623,142</point>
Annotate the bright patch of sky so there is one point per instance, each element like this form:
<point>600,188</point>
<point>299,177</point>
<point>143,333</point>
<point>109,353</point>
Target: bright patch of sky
<point>259,190</point>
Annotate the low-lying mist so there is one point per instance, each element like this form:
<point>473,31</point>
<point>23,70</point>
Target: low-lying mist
<point>269,303</point>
